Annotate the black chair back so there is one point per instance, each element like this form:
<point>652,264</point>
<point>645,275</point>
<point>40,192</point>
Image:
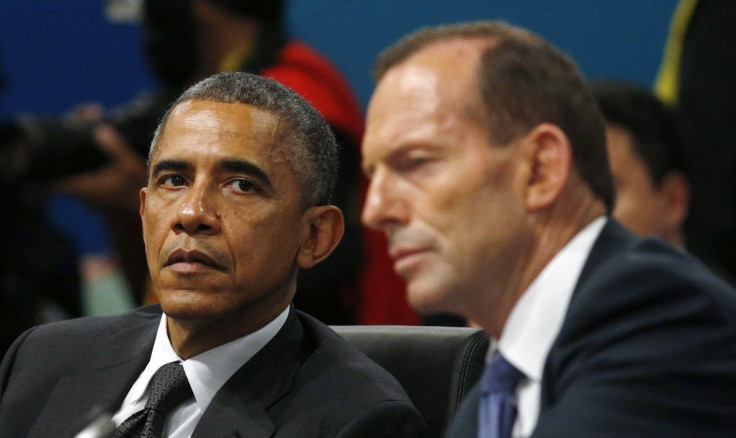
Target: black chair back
<point>437,366</point>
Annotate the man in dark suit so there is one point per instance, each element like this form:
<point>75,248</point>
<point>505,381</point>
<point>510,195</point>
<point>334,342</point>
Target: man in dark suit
<point>241,171</point>
<point>488,174</point>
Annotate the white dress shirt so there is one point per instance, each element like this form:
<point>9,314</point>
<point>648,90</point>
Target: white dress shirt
<point>207,373</point>
<point>536,320</point>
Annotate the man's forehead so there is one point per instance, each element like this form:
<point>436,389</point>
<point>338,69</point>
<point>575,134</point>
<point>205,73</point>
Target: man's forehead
<point>423,88</point>
<point>233,117</point>
<point>217,123</point>
<point>417,84</point>
<point>220,137</point>
<point>444,71</point>
<point>453,56</point>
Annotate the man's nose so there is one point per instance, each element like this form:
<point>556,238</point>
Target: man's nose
<point>383,206</point>
<point>198,211</point>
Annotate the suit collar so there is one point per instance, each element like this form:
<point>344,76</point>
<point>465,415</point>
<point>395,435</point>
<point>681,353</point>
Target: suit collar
<point>613,238</point>
<point>536,319</point>
<point>241,407</point>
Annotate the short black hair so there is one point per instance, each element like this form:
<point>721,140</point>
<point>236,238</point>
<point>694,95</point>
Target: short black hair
<point>652,125</point>
<point>311,147</point>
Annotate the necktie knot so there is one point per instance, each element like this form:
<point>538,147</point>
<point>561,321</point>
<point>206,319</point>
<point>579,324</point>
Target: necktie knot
<point>501,377</point>
<point>169,387</point>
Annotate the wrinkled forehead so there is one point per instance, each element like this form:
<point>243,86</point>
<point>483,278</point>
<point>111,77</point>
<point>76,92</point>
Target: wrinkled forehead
<point>441,77</point>
<point>444,68</point>
<point>229,123</point>
<point>201,132</point>
<point>423,95</point>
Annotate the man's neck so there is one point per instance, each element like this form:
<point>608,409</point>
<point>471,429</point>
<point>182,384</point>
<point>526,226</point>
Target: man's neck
<point>192,337</point>
<point>553,230</point>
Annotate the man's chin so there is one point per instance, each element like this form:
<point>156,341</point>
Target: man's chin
<point>427,299</point>
<point>187,306</point>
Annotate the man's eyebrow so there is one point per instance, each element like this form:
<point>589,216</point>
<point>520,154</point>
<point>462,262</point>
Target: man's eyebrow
<point>165,165</point>
<point>247,168</point>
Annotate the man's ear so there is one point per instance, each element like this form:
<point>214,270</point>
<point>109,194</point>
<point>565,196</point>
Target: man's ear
<point>324,226</point>
<point>142,196</point>
<point>676,189</point>
<point>142,209</point>
<point>549,153</point>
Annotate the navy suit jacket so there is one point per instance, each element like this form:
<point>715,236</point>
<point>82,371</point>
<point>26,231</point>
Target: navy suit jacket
<point>647,349</point>
<point>306,382</point>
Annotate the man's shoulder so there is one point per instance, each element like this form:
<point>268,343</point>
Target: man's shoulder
<point>340,391</point>
<point>638,267</point>
<point>94,326</point>
<point>337,361</point>
<point>645,319</point>
<point>638,299</point>
<point>61,340</point>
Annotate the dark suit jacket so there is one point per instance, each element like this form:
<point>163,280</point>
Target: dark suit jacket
<point>306,382</point>
<point>647,349</point>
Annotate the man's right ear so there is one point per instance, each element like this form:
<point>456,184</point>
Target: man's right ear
<point>142,195</point>
<point>323,227</point>
<point>550,154</point>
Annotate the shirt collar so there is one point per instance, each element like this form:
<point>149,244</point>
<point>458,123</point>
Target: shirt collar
<point>207,372</point>
<point>537,317</point>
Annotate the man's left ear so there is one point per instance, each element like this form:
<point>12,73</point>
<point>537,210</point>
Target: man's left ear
<point>550,155</point>
<point>324,226</point>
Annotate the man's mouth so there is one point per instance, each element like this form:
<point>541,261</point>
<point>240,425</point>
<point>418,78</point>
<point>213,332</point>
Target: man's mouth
<point>406,257</point>
<point>191,260</point>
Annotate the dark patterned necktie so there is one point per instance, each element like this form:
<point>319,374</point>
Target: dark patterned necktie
<point>169,387</point>
<point>497,410</point>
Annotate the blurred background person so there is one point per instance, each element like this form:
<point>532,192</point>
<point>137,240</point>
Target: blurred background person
<point>39,282</point>
<point>697,74</point>
<point>39,279</point>
<point>644,151</point>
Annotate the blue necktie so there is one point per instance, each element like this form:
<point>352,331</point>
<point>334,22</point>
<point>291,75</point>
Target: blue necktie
<point>497,410</point>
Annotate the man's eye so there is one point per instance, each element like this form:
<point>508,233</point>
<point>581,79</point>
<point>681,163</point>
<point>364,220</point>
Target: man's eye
<point>173,181</point>
<point>410,164</point>
<point>417,162</point>
<point>243,185</point>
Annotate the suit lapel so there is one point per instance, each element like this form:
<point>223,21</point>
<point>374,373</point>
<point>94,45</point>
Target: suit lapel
<point>612,239</point>
<point>241,407</point>
<point>234,414</point>
<point>111,373</point>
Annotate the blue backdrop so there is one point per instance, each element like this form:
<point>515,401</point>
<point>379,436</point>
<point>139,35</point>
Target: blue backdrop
<point>58,53</point>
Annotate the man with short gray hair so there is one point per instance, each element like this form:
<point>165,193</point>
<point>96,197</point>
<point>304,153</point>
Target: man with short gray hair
<point>488,175</point>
